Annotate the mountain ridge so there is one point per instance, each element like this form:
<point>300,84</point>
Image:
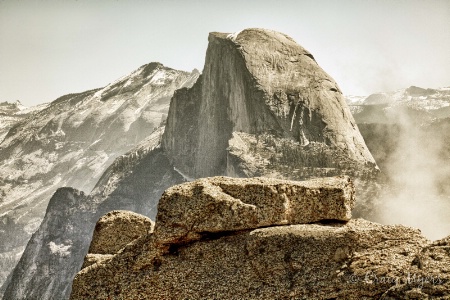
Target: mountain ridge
<point>71,141</point>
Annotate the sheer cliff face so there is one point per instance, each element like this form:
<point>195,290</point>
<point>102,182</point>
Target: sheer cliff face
<point>62,249</point>
<point>258,81</point>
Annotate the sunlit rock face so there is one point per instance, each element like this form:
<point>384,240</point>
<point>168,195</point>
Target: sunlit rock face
<point>260,82</point>
<point>11,113</point>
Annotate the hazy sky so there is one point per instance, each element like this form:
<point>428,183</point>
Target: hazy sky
<point>51,48</point>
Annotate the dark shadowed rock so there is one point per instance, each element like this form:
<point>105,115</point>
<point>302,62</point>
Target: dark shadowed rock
<point>33,276</point>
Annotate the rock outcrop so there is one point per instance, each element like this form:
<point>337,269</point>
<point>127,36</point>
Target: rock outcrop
<point>113,232</point>
<point>130,227</point>
<point>189,211</point>
<point>260,82</point>
<point>327,259</point>
<point>54,250</point>
<point>221,204</point>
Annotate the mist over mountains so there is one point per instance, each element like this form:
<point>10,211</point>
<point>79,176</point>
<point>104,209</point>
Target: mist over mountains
<point>261,107</point>
<point>407,132</point>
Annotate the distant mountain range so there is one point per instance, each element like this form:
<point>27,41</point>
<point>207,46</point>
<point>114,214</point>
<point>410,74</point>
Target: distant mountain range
<point>426,104</point>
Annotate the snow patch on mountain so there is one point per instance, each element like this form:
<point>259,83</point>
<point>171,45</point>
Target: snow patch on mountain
<point>159,77</point>
<point>59,249</point>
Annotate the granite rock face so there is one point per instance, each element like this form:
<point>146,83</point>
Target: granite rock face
<point>259,82</point>
<point>221,204</point>
<point>357,259</point>
<point>37,271</point>
<point>129,183</point>
<point>113,232</point>
<point>428,276</point>
<point>116,229</point>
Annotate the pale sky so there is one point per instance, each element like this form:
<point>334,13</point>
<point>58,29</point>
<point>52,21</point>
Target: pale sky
<point>49,48</point>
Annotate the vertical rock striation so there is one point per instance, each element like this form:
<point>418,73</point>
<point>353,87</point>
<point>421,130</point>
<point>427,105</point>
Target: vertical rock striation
<point>35,278</point>
<point>259,82</point>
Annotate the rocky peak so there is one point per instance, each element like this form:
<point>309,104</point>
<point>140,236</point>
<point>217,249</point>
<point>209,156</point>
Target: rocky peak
<point>232,121</point>
<point>11,107</point>
<point>258,81</point>
<point>195,71</point>
<point>10,115</point>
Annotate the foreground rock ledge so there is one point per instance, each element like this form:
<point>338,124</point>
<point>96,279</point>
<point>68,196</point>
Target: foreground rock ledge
<point>306,261</point>
<point>206,245</point>
<point>221,204</point>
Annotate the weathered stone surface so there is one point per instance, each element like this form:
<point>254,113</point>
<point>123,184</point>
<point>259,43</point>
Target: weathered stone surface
<point>428,276</point>
<point>91,258</point>
<point>220,204</point>
<point>207,245</point>
<point>306,261</point>
<point>118,228</point>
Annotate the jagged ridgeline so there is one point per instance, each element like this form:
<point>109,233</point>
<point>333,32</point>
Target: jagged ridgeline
<point>263,107</point>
